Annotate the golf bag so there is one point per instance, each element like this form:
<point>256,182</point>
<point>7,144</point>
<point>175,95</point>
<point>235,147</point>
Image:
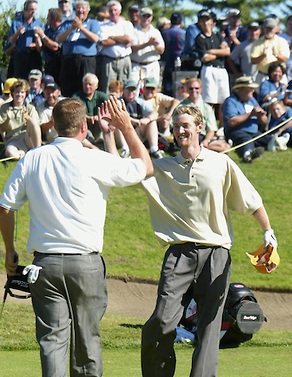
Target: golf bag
<point>242,315</point>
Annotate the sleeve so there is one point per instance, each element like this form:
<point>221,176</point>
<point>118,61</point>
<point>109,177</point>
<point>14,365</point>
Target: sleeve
<point>200,46</point>
<point>14,194</point>
<point>242,197</point>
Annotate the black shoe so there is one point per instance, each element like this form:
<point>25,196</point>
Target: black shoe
<point>257,152</point>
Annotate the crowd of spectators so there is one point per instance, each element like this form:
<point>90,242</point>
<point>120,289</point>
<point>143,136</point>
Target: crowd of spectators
<point>240,76</point>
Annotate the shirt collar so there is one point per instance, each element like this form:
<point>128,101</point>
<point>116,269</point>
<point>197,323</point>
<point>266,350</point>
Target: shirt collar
<point>182,160</point>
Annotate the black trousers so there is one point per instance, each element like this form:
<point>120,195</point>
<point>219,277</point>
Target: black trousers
<point>73,68</point>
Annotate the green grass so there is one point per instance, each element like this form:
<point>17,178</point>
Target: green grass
<point>132,251</point>
<point>268,354</point>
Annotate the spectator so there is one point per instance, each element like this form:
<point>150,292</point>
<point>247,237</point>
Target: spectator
<point>239,60</point>
<point>134,13</point>
<point>163,23</point>
<point>79,39</point>
<point>288,36</point>
<point>235,33</point>
<point>208,135</point>
<point>212,50</point>
<point>102,14</point>
<point>282,136</point>
<point>6,93</point>
<point>45,109</point>
<point>21,34</point>
<point>116,88</point>
<point>35,95</point>
<point>147,48</point>
<point>143,119</point>
<point>92,98</point>
<point>189,57</point>
<point>66,187</point>
<point>273,87</point>
<point>67,12</point>
<point>269,48</point>
<point>163,104</point>
<point>174,39</point>
<point>243,119</point>
<point>116,37</point>
<point>46,40</point>
<point>19,122</point>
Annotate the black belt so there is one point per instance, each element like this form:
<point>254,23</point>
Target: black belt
<point>116,58</point>
<point>70,56</point>
<point>146,63</point>
<point>36,253</point>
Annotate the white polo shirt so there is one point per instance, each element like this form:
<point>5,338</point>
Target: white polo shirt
<point>66,186</point>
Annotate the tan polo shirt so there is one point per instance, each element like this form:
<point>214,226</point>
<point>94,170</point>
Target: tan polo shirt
<point>190,201</point>
<point>277,45</point>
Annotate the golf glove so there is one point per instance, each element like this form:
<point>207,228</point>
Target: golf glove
<point>270,238</point>
<point>33,273</point>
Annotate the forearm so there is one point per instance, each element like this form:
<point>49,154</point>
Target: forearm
<point>238,119</point>
<point>137,148</point>
<point>262,218</point>
<point>110,143</point>
<point>4,125</point>
<point>92,37</point>
<point>64,36</point>
<point>221,52</point>
<point>7,231</point>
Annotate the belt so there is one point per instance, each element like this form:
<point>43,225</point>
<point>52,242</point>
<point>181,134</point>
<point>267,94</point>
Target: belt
<point>144,63</point>
<point>70,56</point>
<point>115,58</point>
<point>214,66</point>
<point>36,253</point>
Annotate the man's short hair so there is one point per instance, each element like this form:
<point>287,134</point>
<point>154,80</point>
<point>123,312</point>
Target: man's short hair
<point>69,115</point>
<point>55,14</point>
<point>114,2</point>
<point>191,110</point>
<point>82,3</point>
<point>92,76</point>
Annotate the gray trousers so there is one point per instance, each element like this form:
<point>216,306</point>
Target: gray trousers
<point>208,270</point>
<point>69,299</point>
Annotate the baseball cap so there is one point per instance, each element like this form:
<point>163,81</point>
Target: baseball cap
<point>7,84</point>
<point>176,18</point>
<point>47,78</point>
<point>150,82</point>
<point>243,82</point>
<point>265,262</point>
<point>205,12</point>
<point>253,25</point>
<point>134,7</point>
<point>130,84</point>
<point>52,85</point>
<point>145,11</point>
<point>270,23</point>
<point>233,13</point>
<point>162,21</point>
<point>35,74</point>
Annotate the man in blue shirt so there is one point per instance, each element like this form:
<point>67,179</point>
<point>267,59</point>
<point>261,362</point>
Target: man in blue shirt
<point>21,34</point>
<point>174,39</point>
<point>243,118</point>
<point>78,38</point>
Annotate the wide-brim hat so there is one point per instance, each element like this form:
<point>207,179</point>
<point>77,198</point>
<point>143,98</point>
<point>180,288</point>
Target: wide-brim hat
<point>265,261</point>
<point>8,84</point>
<point>243,82</point>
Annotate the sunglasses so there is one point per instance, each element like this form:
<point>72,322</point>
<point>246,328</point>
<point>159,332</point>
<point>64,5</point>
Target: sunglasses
<point>146,15</point>
<point>194,88</point>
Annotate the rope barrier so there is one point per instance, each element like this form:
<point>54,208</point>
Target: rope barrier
<point>258,136</point>
<point>7,158</point>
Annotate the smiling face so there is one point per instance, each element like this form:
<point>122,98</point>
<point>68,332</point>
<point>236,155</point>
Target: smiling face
<point>82,11</point>
<point>19,95</point>
<point>114,12</point>
<point>277,110</point>
<point>186,131</point>
<point>276,74</point>
<point>194,89</point>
